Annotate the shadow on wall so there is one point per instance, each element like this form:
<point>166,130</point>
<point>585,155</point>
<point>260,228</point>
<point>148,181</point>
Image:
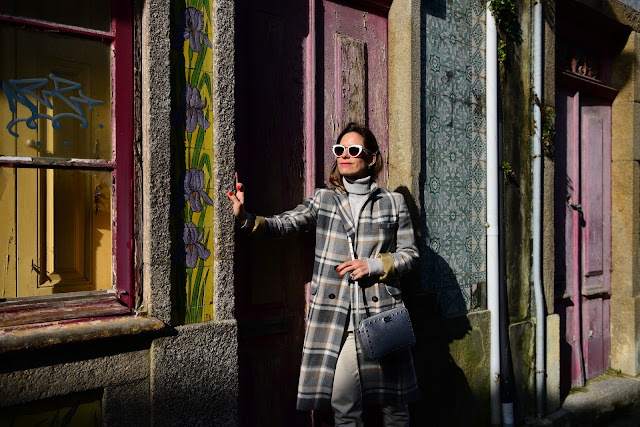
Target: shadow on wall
<point>446,396</point>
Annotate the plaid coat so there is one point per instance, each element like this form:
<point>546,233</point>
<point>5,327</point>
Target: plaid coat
<point>384,230</point>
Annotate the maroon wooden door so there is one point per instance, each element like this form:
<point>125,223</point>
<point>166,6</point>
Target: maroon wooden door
<point>583,231</point>
<point>270,161</point>
<point>293,59</point>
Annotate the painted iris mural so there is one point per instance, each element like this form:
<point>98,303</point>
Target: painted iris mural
<point>191,90</point>
<point>194,189</point>
<point>193,247</point>
<point>191,111</point>
<point>190,28</point>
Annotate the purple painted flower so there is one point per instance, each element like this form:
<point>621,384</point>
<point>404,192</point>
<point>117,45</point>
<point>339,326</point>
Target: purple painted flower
<point>193,110</point>
<point>193,246</point>
<point>191,25</point>
<point>194,189</point>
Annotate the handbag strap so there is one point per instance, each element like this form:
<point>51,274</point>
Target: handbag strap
<point>355,283</point>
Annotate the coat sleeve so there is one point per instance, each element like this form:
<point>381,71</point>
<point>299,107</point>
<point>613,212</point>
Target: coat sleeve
<point>302,218</point>
<point>405,258</point>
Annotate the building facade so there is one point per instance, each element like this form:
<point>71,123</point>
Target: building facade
<point>129,297</point>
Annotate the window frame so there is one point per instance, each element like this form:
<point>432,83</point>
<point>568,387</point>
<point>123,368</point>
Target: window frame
<point>120,38</point>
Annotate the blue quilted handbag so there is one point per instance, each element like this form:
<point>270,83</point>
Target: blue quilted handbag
<point>384,333</point>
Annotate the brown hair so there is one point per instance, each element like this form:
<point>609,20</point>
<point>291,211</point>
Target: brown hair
<point>370,143</point>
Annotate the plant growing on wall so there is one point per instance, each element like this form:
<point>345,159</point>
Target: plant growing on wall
<point>547,127</point>
<point>506,16</point>
<point>507,170</point>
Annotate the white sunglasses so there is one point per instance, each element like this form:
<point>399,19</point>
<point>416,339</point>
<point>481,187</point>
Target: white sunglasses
<point>353,150</point>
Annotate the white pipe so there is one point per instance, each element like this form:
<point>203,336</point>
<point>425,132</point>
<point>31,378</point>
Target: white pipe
<point>536,217</point>
<point>493,290</point>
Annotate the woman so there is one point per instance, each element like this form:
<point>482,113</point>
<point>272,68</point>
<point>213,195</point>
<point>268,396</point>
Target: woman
<point>333,369</point>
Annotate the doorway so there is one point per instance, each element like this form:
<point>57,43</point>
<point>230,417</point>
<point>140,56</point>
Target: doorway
<point>583,232</point>
<point>303,70</point>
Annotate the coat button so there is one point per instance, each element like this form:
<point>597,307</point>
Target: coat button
<point>332,296</point>
<point>374,299</point>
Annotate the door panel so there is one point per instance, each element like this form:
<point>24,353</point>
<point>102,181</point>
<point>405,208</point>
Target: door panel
<point>596,148</point>
<point>355,76</point>
<point>583,231</point>
<point>270,148</point>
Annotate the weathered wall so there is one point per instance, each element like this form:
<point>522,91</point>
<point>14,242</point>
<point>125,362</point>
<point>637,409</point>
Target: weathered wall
<point>187,375</point>
<point>437,149</point>
<point>516,140</point>
<point>156,158</point>
<point>110,366</point>
<point>194,376</point>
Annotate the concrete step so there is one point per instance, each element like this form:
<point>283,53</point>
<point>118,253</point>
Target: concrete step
<point>609,400</point>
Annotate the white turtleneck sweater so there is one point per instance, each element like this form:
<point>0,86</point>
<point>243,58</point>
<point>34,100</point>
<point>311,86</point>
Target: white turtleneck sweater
<point>359,190</point>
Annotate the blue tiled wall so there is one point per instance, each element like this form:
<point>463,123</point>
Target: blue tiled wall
<point>453,177</point>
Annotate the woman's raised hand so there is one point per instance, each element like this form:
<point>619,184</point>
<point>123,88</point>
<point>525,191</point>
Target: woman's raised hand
<point>238,202</point>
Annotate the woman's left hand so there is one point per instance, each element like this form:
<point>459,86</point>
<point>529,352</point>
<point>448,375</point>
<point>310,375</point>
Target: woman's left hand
<point>357,269</point>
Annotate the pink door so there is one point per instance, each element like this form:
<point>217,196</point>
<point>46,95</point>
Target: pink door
<point>583,232</point>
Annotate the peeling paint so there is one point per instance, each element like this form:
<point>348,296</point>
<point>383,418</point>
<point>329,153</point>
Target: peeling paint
<point>5,178</point>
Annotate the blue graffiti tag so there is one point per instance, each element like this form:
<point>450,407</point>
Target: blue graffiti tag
<point>21,89</point>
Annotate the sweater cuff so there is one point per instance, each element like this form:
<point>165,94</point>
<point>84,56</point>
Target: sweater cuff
<point>375,266</point>
<point>387,265</point>
<point>259,226</point>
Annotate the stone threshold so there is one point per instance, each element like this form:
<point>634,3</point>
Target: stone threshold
<point>609,400</point>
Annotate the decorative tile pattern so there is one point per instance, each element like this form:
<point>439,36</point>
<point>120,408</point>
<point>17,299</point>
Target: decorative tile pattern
<point>453,173</point>
<point>192,154</point>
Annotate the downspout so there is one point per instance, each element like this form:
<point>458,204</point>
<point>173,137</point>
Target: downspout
<point>536,217</point>
<point>493,290</point>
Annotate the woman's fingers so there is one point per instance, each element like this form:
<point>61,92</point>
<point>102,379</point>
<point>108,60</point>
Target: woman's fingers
<point>237,198</point>
<point>239,190</point>
<point>357,268</point>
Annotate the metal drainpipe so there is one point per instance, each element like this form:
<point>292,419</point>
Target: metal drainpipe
<point>493,290</point>
<point>536,217</point>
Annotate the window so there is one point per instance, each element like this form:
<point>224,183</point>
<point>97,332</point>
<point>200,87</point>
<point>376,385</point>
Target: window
<point>66,123</point>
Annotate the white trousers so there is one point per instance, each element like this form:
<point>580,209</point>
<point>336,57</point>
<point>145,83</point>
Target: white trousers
<point>346,396</point>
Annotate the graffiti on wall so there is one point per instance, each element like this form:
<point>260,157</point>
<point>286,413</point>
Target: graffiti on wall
<point>24,92</point>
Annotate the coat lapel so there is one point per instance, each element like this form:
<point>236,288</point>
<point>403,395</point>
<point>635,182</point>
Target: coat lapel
<point>344,209</point>
<point>342,202</point>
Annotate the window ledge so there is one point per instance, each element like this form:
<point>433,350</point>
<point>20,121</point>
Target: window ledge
<point>65,306</point>
<point>42,335</point>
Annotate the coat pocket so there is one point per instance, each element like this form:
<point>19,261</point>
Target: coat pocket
<point>393,290</point>
<point>388,225</point>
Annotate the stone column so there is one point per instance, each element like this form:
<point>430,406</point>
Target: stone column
<point>625,194</point>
